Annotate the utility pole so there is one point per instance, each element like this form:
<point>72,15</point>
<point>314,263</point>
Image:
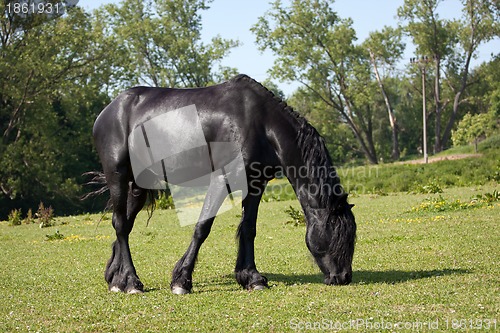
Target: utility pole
<point>422,64</point>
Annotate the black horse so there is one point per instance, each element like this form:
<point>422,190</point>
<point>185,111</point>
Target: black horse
<point>271,136</point>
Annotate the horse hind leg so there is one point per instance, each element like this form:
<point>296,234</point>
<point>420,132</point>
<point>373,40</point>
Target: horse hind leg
<point>127,202</point>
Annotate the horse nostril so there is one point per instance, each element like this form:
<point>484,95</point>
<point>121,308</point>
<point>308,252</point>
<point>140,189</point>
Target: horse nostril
<point>343,278</point>
<point>346,278</point>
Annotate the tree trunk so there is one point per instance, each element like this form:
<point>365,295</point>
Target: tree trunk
<point>437,102</point>
<point>456,101</point>
<point>392,118</point>
<point>368,149</point>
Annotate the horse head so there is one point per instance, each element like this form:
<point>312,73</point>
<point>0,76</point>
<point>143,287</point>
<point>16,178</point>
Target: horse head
<point>330,237</point>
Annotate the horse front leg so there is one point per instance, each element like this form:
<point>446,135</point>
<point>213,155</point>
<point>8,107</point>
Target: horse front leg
<point>120,272</point>
<point>246,271</point>
<point>183,271</point>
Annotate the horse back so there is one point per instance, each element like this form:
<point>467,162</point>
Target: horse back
<point>233,111</point>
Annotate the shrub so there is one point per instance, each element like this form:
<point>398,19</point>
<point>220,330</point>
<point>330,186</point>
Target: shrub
<point>473,127</point>
<point>296,216</point>
<point>488,197</point>
<point>430,188</point>
<point>29,217</point>
<point>45,216</point>
<point>15,217</point>
<point>440,204</point>
<point>164,202</point>
<point>55,236</point>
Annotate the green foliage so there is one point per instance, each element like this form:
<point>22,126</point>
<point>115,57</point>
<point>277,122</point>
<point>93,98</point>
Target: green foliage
<point>488,197</point>
<point>164,201</point>
<point>56,76</point>
<point>55,236</point>
<point>45,216</point>
<point>158,43</point>
<point>430,188</point>
<point>449,45</point>
<point>339,139</point>
<point>472,127</point>
<point>415,177</point>
<point>14,217</point>
<point>441,204</point>
<point>496,175</point>
<point>431,34</point>
<point>52,85</point>
<point>323,56</point>
<point>421,178</point>
<point>29,217</point>
<point>296,216</point>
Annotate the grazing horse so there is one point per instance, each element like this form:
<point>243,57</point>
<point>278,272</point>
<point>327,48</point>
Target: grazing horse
<point>271,137</point>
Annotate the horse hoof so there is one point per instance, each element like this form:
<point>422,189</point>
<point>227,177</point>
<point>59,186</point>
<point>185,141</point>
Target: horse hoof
<point>135,291</point>
<point>176,290</point>
<point>258,287</point>
<point>115,289</point>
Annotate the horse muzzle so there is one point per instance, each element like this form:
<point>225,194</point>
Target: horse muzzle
<point>342,278</point>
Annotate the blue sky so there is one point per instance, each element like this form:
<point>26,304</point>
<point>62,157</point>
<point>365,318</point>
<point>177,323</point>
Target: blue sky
<point>233,19</point>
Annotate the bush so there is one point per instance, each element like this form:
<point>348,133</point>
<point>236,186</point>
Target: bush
<point>29,217</point>
<point>296,216</point>
<point>15,217</point>
<point>440,204</point>
<point>472,127</point>
<point>403,178</point>
<point>165,202</point>
<point>431,188</point>
<point>56,236</point>
<point>45,216</point>
<point>488,197</point>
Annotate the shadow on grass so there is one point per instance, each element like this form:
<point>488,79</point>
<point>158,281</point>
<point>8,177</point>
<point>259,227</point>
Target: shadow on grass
<point>368,277</point>
<point>227,282</point>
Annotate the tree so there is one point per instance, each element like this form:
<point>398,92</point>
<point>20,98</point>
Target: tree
<point>316,47</point>
<point>471,128</point>
<point>452,43</point>
<point>50,91</point>
<point>484,95</point>
<point>159,43</point>
<point>386,48</point>
<point>480,23</point>
<point>58,72</point>
<point>339,139</point>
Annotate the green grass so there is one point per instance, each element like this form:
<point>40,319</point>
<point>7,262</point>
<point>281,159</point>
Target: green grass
<point>408,267</point>
<point>396,177</point>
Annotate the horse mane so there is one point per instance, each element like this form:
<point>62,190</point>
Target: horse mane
<point>281,104</point>
<point>311,144</point>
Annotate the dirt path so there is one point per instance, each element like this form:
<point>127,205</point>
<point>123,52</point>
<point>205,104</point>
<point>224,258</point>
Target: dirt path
<point>442,158</point>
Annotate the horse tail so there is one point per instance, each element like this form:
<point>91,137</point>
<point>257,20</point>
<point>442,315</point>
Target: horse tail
<point>99,180</point>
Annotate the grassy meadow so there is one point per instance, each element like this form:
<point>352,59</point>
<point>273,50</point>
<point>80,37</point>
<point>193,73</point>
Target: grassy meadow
<point>415,269</point>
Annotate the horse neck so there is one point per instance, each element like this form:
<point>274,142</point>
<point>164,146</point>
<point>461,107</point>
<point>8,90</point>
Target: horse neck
<point>305,162</point>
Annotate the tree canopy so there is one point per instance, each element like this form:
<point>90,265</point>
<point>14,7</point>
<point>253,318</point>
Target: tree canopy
<point>58,71</point>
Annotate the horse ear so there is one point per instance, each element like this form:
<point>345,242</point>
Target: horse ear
<point>341,201</point>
